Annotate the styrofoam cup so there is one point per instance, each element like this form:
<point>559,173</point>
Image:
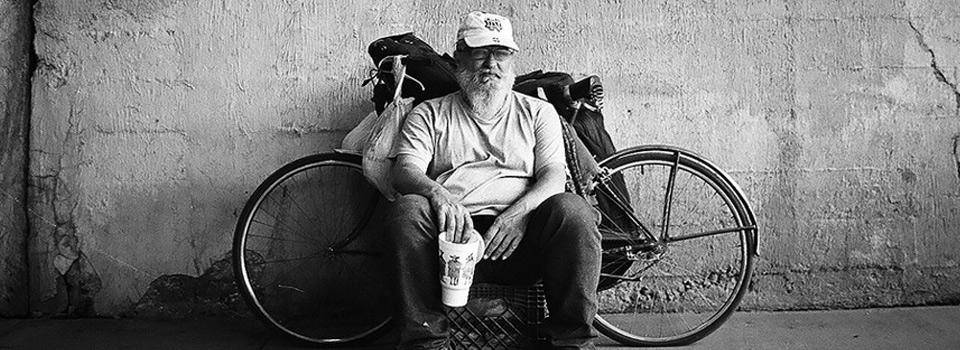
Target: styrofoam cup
<point>457,263</point>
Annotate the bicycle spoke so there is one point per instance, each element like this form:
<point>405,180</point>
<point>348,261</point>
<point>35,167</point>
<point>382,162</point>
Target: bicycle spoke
<point>669,261</point>
<point>618,231</point>
<point>302,212</point>
<point>282,239</point>
<point>312,257</point>
<point>612,234</point>
<point>663,315</point>
<point>285,191</point>
<point>684,320</point>
<point>620,277</point>
<point>358,252</point>
<point>288,228</point>
<point>298,230</point>
<point>634,235</point>
<point>361,224</point>
<point>314,239</point>
<point>619,199</point>
<point>691,274</point>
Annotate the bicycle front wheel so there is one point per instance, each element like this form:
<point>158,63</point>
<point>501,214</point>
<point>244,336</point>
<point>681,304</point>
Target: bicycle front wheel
<point>306,255</point>
<point>681,290</point>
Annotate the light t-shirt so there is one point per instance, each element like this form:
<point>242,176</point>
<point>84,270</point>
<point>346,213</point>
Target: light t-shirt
<point>488,165</point>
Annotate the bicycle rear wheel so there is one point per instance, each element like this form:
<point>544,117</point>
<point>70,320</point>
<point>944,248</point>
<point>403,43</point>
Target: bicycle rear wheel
<point>681,291</point>
<point>306,257</point>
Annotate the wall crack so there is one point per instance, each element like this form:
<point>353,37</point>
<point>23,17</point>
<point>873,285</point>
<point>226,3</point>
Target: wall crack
<point>956,154</point>
<point>937,72</point>
<point>54,220</point>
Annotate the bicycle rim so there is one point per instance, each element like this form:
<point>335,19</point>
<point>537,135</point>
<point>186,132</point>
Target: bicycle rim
<point>307,261</point>
<point>688,290</point>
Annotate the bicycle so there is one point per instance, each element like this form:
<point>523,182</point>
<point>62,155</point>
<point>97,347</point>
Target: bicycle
<point>677,252</point>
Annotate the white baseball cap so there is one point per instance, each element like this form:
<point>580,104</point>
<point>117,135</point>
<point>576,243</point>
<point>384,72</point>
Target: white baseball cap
<point>480,29</point>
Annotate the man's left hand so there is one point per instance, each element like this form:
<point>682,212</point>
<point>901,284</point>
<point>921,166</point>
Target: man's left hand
<point>504,236</point>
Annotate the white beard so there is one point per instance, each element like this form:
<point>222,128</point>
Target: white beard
<point>484,94</point>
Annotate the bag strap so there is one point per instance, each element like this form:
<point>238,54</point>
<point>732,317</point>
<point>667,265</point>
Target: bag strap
<point>399,74</point>
<point>573,161</point>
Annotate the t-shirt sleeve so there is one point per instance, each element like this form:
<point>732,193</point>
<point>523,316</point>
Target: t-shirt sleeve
<point>549,134</point>
<point>416,137</point>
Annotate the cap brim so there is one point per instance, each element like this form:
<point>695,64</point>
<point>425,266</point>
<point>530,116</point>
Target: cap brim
<point>490,40</point>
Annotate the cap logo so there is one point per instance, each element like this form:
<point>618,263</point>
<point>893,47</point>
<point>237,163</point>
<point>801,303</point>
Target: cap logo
<point>493,24</point>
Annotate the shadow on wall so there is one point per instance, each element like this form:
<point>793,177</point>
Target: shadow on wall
<point>180,296</point>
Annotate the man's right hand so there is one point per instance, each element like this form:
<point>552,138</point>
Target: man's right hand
<point>451,216</point>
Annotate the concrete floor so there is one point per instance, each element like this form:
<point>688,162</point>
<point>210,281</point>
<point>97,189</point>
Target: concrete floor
<point>875,329</point>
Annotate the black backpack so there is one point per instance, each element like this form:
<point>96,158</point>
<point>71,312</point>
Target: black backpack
<point>560,90</point>
<point>552,84</point>
<point>424,65</point>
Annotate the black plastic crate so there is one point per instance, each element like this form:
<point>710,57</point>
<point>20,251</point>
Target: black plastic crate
<point>499,317</point>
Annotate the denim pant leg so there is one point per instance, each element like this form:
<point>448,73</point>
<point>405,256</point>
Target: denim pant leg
<point>564,229</point>
<point>412,253</point>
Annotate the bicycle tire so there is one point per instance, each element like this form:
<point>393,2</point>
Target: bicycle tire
<point>686,291</point>
<point>301,260</point>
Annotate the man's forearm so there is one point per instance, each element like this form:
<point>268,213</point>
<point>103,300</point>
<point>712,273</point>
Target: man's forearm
<point>452,217</point>
<point>408,179</point>
<point>507,230</point>
<point>549,182</point>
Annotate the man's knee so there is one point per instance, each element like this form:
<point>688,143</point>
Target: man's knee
<point>576,221</point>
<point>408,220</point>
<point>406,208</point>
<point>571,206</point>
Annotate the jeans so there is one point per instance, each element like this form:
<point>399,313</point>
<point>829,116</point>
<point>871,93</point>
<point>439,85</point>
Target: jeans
<point>560,248</point>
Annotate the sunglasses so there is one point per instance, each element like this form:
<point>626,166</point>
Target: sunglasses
<point>499,54</point>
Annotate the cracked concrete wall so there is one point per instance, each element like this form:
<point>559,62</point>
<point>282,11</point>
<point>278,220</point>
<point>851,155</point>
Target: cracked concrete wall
<point>15,39</point>
<point>153,120</point>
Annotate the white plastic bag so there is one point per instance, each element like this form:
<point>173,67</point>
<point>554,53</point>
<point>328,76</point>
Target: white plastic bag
<point>357,138</point>
<point>377,160</point>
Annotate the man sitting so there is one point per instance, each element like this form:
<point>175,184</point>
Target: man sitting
<point>490,159</point>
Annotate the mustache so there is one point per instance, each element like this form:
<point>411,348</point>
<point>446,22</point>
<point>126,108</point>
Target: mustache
<point>490,72</point>
<point>479,80</point>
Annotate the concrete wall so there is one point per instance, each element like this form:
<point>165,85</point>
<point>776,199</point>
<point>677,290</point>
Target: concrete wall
<point>153,120</point>
<point>15,38</point>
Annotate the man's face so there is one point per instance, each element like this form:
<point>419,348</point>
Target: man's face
<point>488,69</point>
